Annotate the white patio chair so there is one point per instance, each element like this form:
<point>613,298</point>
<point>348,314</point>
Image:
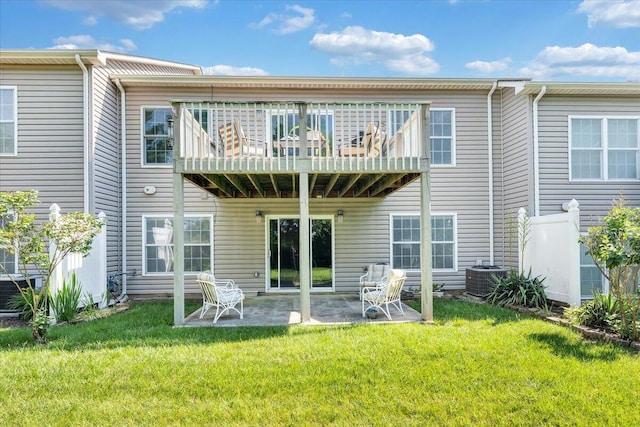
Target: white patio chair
<point>374,276</point>
<point>224,295</point>
<point>379,297</point>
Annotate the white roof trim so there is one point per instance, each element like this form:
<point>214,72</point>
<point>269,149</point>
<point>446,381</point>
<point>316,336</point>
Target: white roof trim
<point>585,88</point>
<point>91,56</point>
<point>331,83</point>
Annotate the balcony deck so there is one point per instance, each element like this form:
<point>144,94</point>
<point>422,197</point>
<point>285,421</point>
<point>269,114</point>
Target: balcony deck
<point>253,150</point>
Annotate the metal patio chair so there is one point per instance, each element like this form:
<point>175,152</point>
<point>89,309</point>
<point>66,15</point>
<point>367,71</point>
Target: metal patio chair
<point>224,295</point>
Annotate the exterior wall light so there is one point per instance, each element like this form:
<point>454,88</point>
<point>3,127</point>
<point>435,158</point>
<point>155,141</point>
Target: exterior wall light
<point>259,217</point>
<point>340,215</point>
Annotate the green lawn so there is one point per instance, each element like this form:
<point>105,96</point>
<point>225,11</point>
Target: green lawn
<point>478,365</point>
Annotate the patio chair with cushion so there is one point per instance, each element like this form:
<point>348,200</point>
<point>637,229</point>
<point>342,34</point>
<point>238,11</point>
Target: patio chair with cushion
<point>224,295</point>
<point>374,276</point>
<point>234,142</point>
<point>379,297</point>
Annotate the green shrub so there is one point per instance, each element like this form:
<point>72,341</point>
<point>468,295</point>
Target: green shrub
<point>518,289</point>
<point>65,302</point>
<point>23,302</point>
<point>600,312</point>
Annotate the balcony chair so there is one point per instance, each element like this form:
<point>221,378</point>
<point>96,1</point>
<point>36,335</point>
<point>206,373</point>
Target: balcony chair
<point>379,297</point>
<point>366,144</point>
<point>224,295</point>
<point>374,276</point>
<point>234,142</point>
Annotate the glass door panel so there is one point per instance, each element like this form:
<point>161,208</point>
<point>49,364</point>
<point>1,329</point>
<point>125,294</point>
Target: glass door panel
<point>284,255</point>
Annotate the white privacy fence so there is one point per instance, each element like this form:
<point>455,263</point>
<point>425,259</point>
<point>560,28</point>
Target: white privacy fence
<point>90,271</point>
<point>553,251</point>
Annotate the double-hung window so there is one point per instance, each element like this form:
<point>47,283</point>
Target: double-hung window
<point>157,146</point>
<point>442,134</point>
<point>604,148</point>
<point>8,260</point>
<point>8,121</point>
<point>158,244</point>
<point>591,279</point>
<point>405,241</point>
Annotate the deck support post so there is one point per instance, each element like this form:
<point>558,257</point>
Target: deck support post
<point>426,261</point>
<point>305,249</point>
<point>178,232</point>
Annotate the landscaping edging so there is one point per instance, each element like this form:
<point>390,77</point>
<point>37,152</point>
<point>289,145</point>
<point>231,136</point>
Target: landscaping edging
<point>588,333</point>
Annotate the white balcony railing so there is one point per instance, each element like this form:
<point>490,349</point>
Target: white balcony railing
<point>277,135</point>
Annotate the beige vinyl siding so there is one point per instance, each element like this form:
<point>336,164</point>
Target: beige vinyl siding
<point>106,170</point>
<point>363,237</point>
<point>516,179</point>
<point>50,136</point>
<point>595,197</point>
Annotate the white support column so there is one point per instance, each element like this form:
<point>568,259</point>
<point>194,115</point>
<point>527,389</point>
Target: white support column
<point>305,244</point>
<point>178,229</point>
<point>426,274</point>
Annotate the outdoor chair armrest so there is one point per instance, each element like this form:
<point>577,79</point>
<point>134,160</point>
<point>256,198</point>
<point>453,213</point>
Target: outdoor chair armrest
<point>225,283</point>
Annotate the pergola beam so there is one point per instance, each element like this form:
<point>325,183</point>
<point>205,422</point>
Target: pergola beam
<point>332,182</point>
<point>274,182</point>
<point>368,183</point>
<point>256,183</point>
<point>385,184</point>
<point>219,184</point>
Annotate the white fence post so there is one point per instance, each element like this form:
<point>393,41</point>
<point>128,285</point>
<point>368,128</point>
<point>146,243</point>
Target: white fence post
<point>55,280</point>
<point>575,292</point>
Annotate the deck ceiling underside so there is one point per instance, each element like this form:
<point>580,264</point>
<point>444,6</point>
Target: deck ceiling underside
<point>326,185</point>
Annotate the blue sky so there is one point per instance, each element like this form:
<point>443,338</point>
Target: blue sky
<point>590,40</point>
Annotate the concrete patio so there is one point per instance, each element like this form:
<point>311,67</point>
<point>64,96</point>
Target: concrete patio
<point>283,310</point>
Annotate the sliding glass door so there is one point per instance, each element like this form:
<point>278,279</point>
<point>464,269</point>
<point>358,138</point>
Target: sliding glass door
<point>283,253</point>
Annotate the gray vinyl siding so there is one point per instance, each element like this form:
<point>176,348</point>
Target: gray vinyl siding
<point>161,203</point>
<point>50,136</point>
<point>555,188</point>
<point>363,237</point>
<point>516,168</point>
<point>106,170</point>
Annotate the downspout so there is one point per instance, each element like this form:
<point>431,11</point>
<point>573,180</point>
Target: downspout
<point>490,154</point>
<point>85,131</point>
<point>123,180</point>
<point>536,148</point>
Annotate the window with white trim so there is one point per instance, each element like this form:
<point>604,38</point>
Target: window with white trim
<point>8,121</point>
<point>604,148</point>
<point>158,244</point>
<point>590,277</point>
<point>441,132</point>
<point>405,241</point>
<point>157,146</point>
<point>8,260</point>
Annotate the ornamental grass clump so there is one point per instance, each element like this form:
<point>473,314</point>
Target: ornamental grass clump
<point>518,289</point>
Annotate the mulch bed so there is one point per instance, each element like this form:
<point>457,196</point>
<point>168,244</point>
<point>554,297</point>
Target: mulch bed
<point>12,322</point>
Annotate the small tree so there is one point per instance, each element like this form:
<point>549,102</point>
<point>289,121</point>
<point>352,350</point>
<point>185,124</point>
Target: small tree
<point>615,247</point>
<point>31,241</point>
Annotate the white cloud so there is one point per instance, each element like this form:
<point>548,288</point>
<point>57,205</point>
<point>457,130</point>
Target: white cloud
<point>286,23</point>
<point>85,41</point>
<point>488,67</point>
<point>137,14</point>
<point>228,70</point>
<point>611,13</point>
<point>397,52</point>
<point>587,60</point>
<point>90,21</point>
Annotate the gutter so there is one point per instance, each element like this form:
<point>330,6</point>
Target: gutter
<point>85,131</point>
<point>490,154</point>
<point>536,150</point>
<point>123,145</point>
